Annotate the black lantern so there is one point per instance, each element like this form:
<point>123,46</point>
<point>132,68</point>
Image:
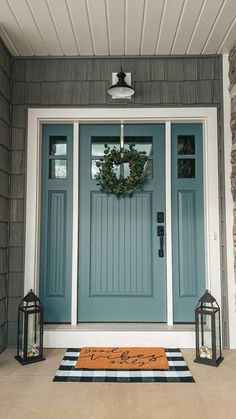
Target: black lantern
<point>30,330</point>
<point>208,334</point>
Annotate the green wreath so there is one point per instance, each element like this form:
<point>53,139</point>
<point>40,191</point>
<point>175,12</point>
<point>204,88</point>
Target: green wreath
<point>120,186</point>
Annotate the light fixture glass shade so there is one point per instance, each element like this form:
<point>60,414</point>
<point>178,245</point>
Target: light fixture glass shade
<point>121,89</point>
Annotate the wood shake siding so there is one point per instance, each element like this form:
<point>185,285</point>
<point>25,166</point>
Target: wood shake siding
<point>5,96</point>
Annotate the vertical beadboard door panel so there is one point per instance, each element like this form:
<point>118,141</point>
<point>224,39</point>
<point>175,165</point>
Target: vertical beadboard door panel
<point>56,263</point>
<point>187,219</point>
<point>121,276</point>
<point>122,265</point>
<point>56,226</point>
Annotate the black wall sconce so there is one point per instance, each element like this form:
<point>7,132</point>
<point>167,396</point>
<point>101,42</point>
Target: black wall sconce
<point>121,90</point>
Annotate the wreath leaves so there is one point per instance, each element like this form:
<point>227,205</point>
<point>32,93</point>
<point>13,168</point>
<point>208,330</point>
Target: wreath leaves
<point>119,186</point>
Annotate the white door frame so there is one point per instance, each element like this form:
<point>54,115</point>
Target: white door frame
<point>207,116</point>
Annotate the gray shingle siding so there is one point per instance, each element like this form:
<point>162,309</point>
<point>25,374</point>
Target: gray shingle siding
<point>160,81</point>
<point>5,95</point>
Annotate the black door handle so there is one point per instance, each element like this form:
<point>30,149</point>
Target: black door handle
<point>160,233</point>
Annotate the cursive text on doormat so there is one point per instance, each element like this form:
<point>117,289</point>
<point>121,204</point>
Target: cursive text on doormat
<point>122,358</point>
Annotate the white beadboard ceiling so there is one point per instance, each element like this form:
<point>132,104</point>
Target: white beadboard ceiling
<point>117,27</point>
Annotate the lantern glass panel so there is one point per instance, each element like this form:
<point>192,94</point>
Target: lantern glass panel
<point>33,338</point>
<point>205,336</point>
<point>21,334</point>
<point>217,326</point>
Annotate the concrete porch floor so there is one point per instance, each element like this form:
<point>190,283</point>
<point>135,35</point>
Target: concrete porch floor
<point>28,392</point>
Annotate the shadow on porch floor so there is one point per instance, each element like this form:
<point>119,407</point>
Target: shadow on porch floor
<point>28,392</point>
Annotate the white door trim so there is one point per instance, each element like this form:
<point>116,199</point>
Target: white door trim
<point>75,224</point>
<point>208,116</point>
<point>168,227</point>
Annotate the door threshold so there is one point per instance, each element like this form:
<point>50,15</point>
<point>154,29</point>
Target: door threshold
<point>119,334</point>
<point>144,327</point>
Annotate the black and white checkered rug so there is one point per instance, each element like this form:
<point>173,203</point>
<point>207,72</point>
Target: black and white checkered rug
<point>178,371</point>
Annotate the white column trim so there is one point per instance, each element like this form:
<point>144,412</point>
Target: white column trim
<point>169,278</point>
<point>75,224</point>
<point>211,208</point>
<point>229,207</point>
<point>32,242</point>
<point>206,198</point>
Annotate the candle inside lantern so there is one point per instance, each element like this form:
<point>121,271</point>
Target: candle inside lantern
<point>205,352</point>
<point>33,350</point>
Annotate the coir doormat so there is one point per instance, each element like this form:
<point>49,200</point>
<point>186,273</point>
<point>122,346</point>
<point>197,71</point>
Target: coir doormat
<point>178,371</point>
<point>100,358</point>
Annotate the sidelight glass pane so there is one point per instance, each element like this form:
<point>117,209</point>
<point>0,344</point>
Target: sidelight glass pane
<point>57,169</point>
<point>186,168</point>
<point>186,144</point>
<point>57,146</point>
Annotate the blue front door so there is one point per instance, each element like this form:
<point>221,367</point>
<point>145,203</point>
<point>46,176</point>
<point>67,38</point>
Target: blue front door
<point>121,274</point>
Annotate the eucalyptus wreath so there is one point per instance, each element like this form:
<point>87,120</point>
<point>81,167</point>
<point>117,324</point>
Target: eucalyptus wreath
<point>121,186</point>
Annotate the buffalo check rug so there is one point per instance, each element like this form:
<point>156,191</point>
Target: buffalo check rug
<point>178,371</point>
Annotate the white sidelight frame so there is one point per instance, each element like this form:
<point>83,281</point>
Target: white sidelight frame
<point>207,116</point>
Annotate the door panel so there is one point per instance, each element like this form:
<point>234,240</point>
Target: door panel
<point>121,266</point>
<point>55,286</point>
<point>187,219</point>
<point>56,228</point>
<point>121,276</point>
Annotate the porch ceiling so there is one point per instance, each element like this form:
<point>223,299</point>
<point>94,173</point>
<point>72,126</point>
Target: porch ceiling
<point>117,27</point>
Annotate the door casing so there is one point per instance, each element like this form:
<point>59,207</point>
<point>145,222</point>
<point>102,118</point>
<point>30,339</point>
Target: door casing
<point>208,116</point>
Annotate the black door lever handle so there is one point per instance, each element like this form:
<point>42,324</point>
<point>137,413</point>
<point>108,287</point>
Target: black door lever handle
<point>160,233</point>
